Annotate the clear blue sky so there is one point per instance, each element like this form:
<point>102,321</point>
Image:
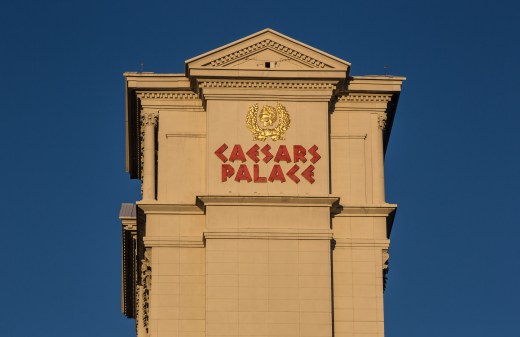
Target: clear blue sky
<point>452,165</point>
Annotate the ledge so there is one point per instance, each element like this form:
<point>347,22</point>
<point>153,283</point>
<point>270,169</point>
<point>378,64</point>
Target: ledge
<point>156,208</point>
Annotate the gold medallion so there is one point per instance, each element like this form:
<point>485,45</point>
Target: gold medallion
<point>268,116</point>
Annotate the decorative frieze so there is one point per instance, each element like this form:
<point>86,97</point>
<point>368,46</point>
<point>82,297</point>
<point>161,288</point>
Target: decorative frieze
<point>138,311</point>
<point>148,118</point>
<point>168,95</point>
<point>354,97</point>
<point>143,296</point>
<point>268,44</point>
<point>268,85</point>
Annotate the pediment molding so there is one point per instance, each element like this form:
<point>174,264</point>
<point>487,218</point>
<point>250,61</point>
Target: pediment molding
<point>278,47</point>
<point>271,47</point>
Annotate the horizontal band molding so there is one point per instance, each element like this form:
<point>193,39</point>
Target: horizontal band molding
<point>186,135</point>
<point>361,243</point>
<point>270,234</point>
<point>176,241</point>
<point>157,208</point>
<point>365,210</point>
<point>347,136</point>
<point>276,201</point>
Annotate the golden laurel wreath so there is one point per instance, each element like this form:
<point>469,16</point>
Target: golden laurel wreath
<point>268,115</point>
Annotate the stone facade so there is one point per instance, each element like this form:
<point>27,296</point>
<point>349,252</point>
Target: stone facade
<point>263,208</point>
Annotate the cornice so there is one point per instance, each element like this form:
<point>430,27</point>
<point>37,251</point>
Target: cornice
<point>152,81</point>
<point>360,102</point>
<point>268,44</point>
<point>129,224</point>
<point>315,90</point>
<point>381,84</point>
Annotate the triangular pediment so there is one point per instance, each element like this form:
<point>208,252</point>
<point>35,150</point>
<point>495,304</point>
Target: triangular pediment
<point>267,50</point>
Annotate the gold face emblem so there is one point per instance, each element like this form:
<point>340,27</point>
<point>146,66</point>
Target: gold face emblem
<point>268,116</point>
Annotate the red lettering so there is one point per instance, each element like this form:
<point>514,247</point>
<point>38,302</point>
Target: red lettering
<point>276,174</point>
<point>243,174</point>
<point>253,153</point>
<point>220,152</point>
<point>256,175</point>
<point>237,154</point>
<point>267,154</point>
<point>299,153</point>
<point>227,172</point>
<point>315,156</point>
<point>308,173</point>
<point>282,154</point>
<point>291,173</point>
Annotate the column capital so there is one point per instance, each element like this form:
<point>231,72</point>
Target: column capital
<point>149,117</point>
<point>381,120</point>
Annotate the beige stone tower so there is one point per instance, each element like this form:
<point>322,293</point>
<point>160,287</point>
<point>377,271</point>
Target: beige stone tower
<point>263,209</point>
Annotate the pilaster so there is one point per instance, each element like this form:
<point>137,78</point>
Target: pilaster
<point>149,119</point>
